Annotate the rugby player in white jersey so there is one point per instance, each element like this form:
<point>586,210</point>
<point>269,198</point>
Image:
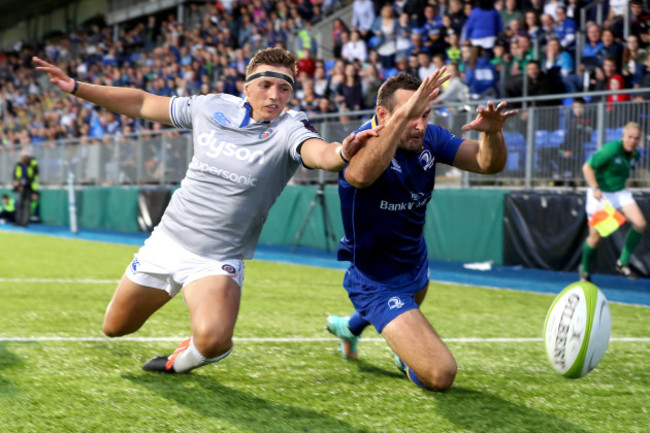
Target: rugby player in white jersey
<point>245,152</point>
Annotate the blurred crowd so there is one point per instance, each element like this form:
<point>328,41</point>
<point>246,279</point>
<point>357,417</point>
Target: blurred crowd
<point>487,46</point>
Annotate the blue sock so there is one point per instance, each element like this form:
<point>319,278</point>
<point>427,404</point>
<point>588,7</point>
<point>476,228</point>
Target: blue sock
<point>411,375</point>
<point>357,323</point>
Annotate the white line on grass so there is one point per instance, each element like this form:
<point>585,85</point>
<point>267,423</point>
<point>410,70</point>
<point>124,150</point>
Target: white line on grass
<point>57,280</point>
<point>287,339</point>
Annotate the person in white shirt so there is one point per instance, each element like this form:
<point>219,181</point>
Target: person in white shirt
<point>426,67</point>
<point>363,16</point>
<point>355,48</point>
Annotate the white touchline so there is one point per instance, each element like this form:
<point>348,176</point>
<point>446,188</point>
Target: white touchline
<point>57,280</point>
<point>286,339</point>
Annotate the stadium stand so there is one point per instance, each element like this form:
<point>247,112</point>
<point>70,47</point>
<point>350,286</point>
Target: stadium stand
<point>201,47</point>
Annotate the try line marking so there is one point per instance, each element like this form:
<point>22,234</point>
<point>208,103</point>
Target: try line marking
<point>284,339</point>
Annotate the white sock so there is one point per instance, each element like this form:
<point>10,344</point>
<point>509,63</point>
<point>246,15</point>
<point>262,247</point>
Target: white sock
<point>191,358</point>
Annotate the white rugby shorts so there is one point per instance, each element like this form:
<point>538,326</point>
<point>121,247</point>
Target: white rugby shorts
<point>163,264</point>
<point>618,200</point>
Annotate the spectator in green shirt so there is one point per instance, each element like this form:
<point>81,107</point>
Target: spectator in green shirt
<point>510,13</point>
<point>606,173</point>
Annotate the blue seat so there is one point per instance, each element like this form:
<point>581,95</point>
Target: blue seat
<point>541,139</point>
<point>329,65</point>
<point>443,112</point>
<point>515,140</point>
<point>612,134</point>
<point>516,144</point>
<point>588,149</point>
<point>390,72</point>
<point>514,162</point>
<point>619,132</point>
<point>556,139</point>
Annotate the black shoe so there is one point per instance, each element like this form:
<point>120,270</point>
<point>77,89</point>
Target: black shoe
<point>625,271</point>
<point>165,364</point>
<point>584,276</point>
<point>159,365</point>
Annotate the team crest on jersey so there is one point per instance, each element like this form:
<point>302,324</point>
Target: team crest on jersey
<point>230,269</point>
<point>134,265</point>
<point>395,302</point>
<point>417,196</point>
<point>265,133</point>
<point>426,159</point>
<point>221,118</point>
<point>394,165</point>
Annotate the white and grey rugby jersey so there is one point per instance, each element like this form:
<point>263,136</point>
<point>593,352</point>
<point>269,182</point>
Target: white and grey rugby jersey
<point>237,172</point>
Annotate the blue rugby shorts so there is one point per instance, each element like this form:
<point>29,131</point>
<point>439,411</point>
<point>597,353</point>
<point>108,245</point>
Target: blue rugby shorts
<point>380,302</point>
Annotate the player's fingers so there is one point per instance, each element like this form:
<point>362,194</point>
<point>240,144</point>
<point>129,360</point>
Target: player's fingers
<point>348,139</point>
<point>434,93</point>
<point>469,126</point>
<point>374,132</point>
<point>51,71</point>
<point>39,61</point>
<point>436,75</point>
<point>428,83</point>
<point>501,105</point>
<point>442,80</point>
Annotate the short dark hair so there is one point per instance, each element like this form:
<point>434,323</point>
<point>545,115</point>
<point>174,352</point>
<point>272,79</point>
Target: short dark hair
<point>273,57</point>
<point>401,80</point>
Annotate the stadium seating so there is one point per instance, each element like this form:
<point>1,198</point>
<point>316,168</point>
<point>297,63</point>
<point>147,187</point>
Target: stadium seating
<point>516,144</point>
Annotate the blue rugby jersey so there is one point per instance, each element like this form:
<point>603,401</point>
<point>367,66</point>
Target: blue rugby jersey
<point>384,222</point>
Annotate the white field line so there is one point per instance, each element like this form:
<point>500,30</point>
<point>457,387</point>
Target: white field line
<point>283,340</point>
<point>58,280</point>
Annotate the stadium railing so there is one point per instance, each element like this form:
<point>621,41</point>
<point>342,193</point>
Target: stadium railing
<point>536,139</point>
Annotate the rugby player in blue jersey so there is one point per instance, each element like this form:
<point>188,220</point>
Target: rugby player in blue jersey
<point>384,193</point>
<point>245,152</point>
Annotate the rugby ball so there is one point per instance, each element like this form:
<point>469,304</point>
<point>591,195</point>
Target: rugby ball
<point>577,329</point>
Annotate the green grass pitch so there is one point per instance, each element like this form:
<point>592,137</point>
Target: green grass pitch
<point>58,373</point>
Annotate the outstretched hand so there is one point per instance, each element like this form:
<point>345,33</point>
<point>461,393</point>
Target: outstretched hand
<point>490,119</point>
<point>354,142</point>
<point>57,76</point>
<point>427,92</point>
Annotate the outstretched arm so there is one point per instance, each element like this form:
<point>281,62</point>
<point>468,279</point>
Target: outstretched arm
<point>373,159</point>
<point>488,155</point>
<point>131,102</point>
<point>316,153</point>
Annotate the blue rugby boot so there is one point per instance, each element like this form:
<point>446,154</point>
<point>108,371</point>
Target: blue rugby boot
<point>399,364</point>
